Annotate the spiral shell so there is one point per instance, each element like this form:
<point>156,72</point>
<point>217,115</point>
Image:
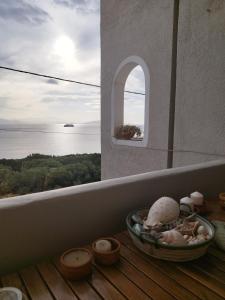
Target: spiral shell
<point>164,210</point>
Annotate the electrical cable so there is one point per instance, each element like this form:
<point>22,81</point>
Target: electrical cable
<point>63,79</point>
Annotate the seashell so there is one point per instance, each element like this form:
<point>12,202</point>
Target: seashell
<point>137,228</point>
<point>139,216</point>
<point>197,198</point>
<point>193,242</point>
<point>200,237</point>
<point>187,227</point>
<point>173,237</point>
<point>164,210</point>
<point>202,230</point>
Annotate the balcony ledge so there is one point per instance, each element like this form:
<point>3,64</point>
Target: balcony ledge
<point>43,224</point>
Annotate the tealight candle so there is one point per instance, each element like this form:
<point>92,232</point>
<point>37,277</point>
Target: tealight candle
<point>76,258</point>
<point>76,263</point>
<point>103,245</point>
<point>197,198</point>
<point>106,251</point>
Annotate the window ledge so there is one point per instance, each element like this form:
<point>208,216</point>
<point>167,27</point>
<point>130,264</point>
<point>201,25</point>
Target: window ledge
<point>132,142</point>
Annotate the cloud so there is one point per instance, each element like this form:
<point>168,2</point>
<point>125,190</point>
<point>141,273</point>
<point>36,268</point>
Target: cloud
<point>33,99</point>
<point>4,102</point>
<point>52,81</point>
<point>73,100</point>
<point>85,6</point>
<point>71,3</point>
<point>6,59</point>
<point>22,12</point>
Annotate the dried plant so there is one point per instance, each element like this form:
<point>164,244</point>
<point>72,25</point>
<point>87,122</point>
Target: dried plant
<point>127,132</point>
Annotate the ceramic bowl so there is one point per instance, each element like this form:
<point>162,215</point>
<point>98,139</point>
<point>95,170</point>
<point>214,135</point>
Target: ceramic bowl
<point>11,293</point>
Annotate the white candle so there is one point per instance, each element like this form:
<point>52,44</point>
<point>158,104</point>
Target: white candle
<point>103,245</point>
<point>188,201</point>
<point>76,258</point>
<point>197,198</point>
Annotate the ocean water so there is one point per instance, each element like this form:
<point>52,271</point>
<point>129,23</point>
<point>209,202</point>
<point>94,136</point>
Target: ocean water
<point>20,140</point>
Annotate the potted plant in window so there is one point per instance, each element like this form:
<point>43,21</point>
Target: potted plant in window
<point>127,132</point>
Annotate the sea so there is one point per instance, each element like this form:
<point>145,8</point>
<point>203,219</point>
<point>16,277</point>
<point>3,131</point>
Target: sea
<point>21,140</point>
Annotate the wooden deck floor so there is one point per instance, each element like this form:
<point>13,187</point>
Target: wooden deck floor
<point>136,277</point>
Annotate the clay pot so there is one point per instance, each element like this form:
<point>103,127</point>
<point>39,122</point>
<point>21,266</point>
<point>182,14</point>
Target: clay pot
<point>222,200</point>
<point>76,263</point>
<point>107,257</point>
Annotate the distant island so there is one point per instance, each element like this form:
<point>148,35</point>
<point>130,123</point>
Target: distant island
<point>38,172</point>
<point>68,125</point>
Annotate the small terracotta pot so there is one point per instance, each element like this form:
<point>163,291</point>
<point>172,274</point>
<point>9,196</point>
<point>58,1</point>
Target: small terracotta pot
<point>222,200</point>
<point>107,257</point>
<point>79,271</point>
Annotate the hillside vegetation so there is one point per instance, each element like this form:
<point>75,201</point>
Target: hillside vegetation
<point>38,172</point>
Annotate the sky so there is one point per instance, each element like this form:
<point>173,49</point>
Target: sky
<point>60,38</point>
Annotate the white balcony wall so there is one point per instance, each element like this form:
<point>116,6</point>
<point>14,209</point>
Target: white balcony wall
<point>200,95</point>
<point>43,224</point>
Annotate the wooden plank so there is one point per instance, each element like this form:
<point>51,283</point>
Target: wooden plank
<point>13,280</point>
<point>170,285</point>
<point>171,270</point>
<point>123,284</point>
<point>104,287</point>
<point>55,282</point>
<point>217,253</point>
<point>81,288</point>
<point>204,279</point>
<point>35,285</point>
<point>143,282</point>
<point>215,261</point>
<point>212,271</point>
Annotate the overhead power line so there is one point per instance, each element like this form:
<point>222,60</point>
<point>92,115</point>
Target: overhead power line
<point>62,79</point>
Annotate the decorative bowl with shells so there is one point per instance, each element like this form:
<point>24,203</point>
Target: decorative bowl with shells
<point>161,247</point>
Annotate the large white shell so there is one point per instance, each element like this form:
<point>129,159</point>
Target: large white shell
<point>164,210</point>
<point>173,237</point>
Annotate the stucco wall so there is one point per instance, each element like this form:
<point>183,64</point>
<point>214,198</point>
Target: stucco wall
<point>44,224</point>
<point>200,97</point>
<point>144,29</point>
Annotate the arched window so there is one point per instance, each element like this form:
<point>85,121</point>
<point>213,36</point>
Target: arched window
<point>134,104</point>
<point>130,112</point>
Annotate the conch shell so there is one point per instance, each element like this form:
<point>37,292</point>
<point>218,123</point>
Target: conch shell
<point>173,237</point>
<point>164,210</point>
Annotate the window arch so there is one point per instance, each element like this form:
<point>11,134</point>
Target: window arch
<point>118,102</point>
